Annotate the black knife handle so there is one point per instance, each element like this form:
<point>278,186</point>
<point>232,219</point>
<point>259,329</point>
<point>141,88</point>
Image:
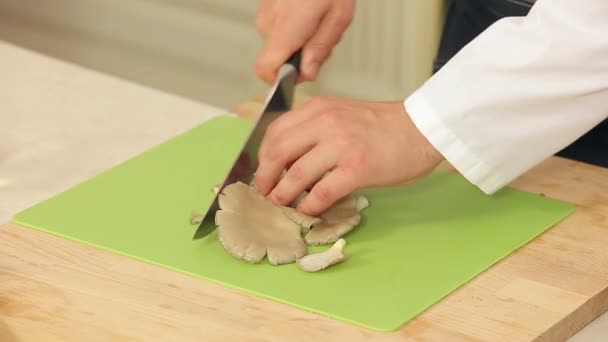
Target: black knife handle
<point>296,59</point>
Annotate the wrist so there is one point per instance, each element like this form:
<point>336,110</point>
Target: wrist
<point>429,153</point>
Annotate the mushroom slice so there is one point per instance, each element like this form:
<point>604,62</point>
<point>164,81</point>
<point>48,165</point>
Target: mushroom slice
<point>196,218</point>
<point>215,189</point>
<point>250,227</point>
<point>319,261</point>
<point>338,220</point>
<point>305,221</point>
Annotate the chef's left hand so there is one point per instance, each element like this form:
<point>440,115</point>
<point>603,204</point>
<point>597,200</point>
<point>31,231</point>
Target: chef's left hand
<point>363,144</point>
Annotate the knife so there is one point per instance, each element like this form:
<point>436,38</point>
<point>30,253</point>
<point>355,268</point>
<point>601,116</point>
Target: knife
<point>278,101</point>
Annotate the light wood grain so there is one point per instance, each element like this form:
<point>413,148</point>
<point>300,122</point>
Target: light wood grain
<point>53,289</point>
<point>61,124</point>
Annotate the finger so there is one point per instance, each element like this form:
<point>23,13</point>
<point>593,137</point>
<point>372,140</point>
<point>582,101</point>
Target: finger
<point>287,147</point>
<point>297,116</point>
<point>337,184</point>
<point>265,16</point>
<point>289,33</point>
<point>318,49</point>
<point>304,172</point>
<point>291,119</point>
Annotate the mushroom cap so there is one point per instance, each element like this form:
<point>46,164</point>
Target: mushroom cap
<point>305,221</point>
<point>250,227</point>
<point>334,223</point>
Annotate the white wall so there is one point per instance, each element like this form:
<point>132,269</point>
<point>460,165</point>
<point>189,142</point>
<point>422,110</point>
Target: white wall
<point>204,49</point>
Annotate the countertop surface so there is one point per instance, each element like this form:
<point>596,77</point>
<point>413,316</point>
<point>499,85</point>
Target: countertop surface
<point>62,124</point>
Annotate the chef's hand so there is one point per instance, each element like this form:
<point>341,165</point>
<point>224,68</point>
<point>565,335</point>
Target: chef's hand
<point>316,26</point>
<point>363,144</point>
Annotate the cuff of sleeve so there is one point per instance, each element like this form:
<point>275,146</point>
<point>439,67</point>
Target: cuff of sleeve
<point>451,147</point>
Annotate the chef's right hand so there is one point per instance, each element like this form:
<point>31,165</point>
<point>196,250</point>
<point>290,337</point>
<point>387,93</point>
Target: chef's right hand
<point>316,26</point>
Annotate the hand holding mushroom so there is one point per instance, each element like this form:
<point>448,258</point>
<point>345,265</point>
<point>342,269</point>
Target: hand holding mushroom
<point>363,144</point>
<point>250,227</point>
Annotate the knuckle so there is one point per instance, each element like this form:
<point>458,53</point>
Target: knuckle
<point>358,163</point>
<point>368,114</point>
<point>271,152</point>
<point>320,49</point>
<point>273,130</point>
<point>329,118</point>
<point>344,139</point>
<point>283,19</point>
<point>274,153</point>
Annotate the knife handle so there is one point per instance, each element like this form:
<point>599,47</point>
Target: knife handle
<point>296,59</point>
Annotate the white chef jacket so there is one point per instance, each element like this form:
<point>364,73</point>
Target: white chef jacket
<point>518,93</point>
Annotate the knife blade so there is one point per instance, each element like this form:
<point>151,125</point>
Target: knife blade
<point>278,101</point>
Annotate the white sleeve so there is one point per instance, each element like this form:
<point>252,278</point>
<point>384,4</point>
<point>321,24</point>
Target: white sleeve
<point>521,91</point>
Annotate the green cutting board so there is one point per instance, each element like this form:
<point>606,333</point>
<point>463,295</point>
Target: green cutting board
<point>415,245</point>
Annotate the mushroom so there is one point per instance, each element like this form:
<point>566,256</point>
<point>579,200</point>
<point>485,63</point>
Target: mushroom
<point>215,189</point>
<point>250,227</point>
<point>305,221</point>
<point>196,218</point>
<point>319,261</point>
<point>334,223</point>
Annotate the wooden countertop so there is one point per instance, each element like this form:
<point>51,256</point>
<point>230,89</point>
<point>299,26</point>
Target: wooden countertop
<point>53,289</point>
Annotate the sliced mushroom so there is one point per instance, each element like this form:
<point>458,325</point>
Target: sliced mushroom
<point>305,221</point>
<point>196,218</point>
<point>334,223</point>
<point>322,260</point>
<point>215,189</point>
<point>250,227</point>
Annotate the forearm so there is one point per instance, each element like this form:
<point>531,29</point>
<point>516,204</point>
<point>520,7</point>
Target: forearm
<point>520,92</point>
